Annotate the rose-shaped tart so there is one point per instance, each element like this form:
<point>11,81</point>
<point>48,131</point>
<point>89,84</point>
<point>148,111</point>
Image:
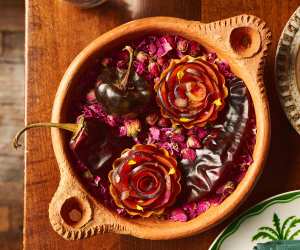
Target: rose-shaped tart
<point>145,180</point>
<point>191,91</point>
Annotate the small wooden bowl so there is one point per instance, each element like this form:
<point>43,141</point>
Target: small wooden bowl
<point>243,41</point>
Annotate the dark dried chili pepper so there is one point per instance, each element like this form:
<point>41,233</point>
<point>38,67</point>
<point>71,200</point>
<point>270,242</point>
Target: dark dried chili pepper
<point>219,148</point>
<point>92,142</point>
<point>128,95</point>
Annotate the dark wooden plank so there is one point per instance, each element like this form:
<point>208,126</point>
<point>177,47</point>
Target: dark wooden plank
<point>12,15</point>
<point>56,32</point>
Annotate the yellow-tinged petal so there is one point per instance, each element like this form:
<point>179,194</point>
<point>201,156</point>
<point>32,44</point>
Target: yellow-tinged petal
<point>218,102</point>
<point>180,74</point>
<point>172,171</point>
<point>131,162</point>
<point>184,119</point>
<point>138,207</point>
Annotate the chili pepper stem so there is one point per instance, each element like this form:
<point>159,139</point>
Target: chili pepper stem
<point>72,127</point>
<point>122,85</point>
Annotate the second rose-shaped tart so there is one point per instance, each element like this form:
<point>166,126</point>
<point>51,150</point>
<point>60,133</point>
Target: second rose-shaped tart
<point>145,180</point>
<point>191,91</point>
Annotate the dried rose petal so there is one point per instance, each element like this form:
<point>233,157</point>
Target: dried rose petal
<point>188,154</point>
<point>122,131</point>
<point>193,142</point>
<point>211,57</point>
<point>195,49</point>
<point>182,45</point>
<point>163,122</point>
<point>145,180</point>
<point>225,69</point>
<point>155,133</point>
<point>152,49</point>
<point>139,67</point>
<point>133,127</point>
<point>177,137</point>
<point>153,69</point>
<point>178,215</point>
<point>142,57</point>
<point>163,47</point>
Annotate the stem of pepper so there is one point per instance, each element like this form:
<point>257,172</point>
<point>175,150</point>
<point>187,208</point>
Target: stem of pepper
<point>72,127</point>
<point>122,85</point>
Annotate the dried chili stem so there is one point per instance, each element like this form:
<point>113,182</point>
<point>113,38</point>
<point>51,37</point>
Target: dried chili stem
<point>72,127</point>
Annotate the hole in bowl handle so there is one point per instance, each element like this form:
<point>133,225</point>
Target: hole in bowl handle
<point>244,38</point>
<point>74,215</point>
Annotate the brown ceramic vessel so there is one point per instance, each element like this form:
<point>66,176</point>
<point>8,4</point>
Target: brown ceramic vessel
<point>243,41</point>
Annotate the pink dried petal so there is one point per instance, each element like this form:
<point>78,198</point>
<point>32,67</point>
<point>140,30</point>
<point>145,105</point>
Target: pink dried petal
<point>155,133</point>
<point>161,61</point>
<point>133,127</point>
<point>215,200</point>
<point>94,111</point>
<point>167,146</point>
<point>188,154</point>
<point>211,57</point>
<point>152,49</point>
<point>111,120</point>
<point>190,209</point>
<point>193,142</point>
<point>163,122</point>
<point>195,49</point>
<point>178,214</point>
<point>171,40</point>
<point>139,67</point>
<point>182,45</point>
<point>202,206</point>
<point>122,131</point>
<point>97,179</point>
<point>142,57</point>
<point>201,133</point>
<point>176,137</point>
<point>153,68</point>
<point>225,69</point>
<point>163,47</point>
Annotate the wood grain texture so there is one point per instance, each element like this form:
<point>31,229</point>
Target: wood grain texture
<point>12,15</point>
<point>56,32</point>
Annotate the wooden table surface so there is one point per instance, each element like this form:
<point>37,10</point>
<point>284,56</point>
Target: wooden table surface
<point>57,31</point>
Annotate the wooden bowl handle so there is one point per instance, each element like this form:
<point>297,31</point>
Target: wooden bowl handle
<point>75,216</point>
<point>245,37</point>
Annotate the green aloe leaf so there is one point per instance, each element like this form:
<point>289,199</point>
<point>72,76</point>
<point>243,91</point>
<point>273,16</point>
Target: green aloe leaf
<point>263,235</point>
<point>269,230</point>
<point>292,225</point>
<point>294,235</point>
<point>276,223</point>
<point>285,223</point>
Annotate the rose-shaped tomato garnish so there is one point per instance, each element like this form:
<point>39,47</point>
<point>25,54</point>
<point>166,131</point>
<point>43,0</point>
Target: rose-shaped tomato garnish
<point>191,91</point>
<point>145,180</point>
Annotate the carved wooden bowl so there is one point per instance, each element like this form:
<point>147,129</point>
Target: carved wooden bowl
<point>243,41</point>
